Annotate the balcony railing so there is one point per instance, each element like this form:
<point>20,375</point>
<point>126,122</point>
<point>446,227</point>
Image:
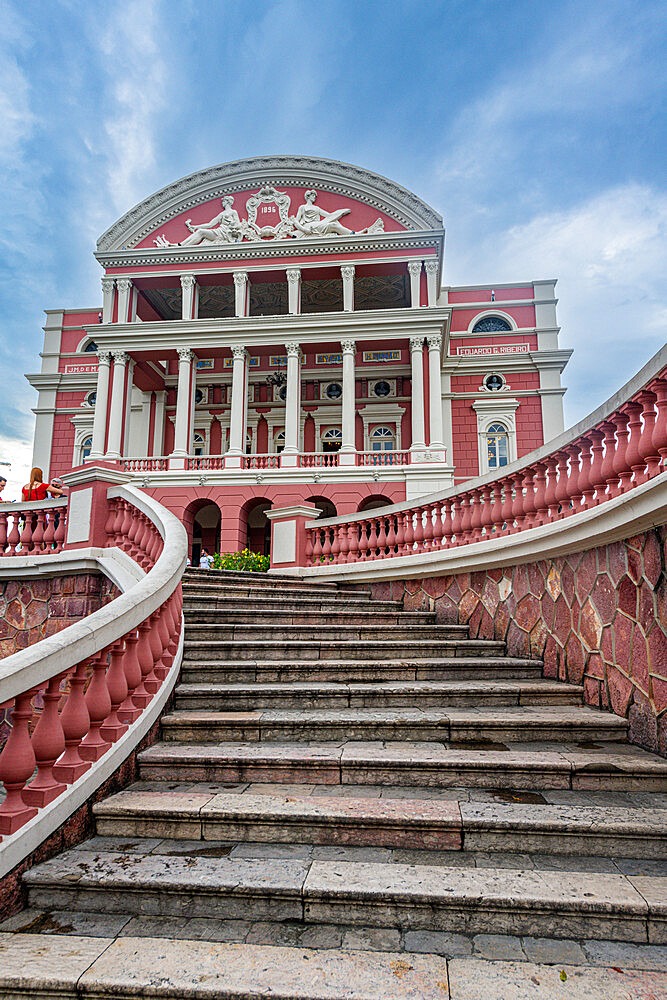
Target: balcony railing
<point>260,462</point>
<point>196,462</point>
<point>318,460</point>
<point>383,458</point>
<point>33,528</point>
<point>158,463</point>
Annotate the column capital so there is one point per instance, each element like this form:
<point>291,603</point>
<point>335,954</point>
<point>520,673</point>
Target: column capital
<point>414,267</point>
<point>120,357</point>
<point>416,343</point>
<point>293,274</point>
<point>434,342</point>
<point>105,357</point>
<point>188,281</point>
<point>293,350</point>
<point>239,352</point>
<point>124,284</point>
<point>240,278</point>
<point>431,266</point>
<point>349,346</point>
<point>185,353</point>
<point>107,284</point>
<point>347,271</point>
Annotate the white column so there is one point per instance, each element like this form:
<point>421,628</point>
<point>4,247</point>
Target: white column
<point>108,285</point>
<point>183,403</point>
<point>124,286</point>
<point>347,454</point>
<point>435,395</point>
<point>118,404</point>
<point>241,292</point>
<point>415,272</point>
<point>292,405</point>
<point>238,409</point>
<point>294,291</point>
<point>158,427</point>
<point>101,402</point>
<point>347,273</point>
<point>417,357</point>
<point>431,267</point>
<point>189,296</point>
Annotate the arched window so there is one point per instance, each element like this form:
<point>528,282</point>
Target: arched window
<point>90,348</point>
<point>198,443</point>
<point>280,441</point>
<point>382,439</point>
<point>332,439</point>
<point>497,446</point>
<point>86,448</point>
<point>492,324</point>
<point>248,444</point>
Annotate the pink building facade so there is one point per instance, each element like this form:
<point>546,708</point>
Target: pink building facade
<point>279,330</point>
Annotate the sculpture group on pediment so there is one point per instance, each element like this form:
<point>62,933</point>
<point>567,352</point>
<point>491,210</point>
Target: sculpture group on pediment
<point>309,221</point>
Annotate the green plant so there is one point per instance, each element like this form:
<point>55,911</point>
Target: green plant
<point>244,562</point>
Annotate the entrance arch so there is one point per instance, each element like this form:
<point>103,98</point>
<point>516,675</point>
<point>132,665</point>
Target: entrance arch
<point>202,520</point>
<point>258,526</point>
<point>324,505</point>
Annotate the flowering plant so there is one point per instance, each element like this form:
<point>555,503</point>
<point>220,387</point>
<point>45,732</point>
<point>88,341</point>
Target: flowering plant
<point>245,561</point>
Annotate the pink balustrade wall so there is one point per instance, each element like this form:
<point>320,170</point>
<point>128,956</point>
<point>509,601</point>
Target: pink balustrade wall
<point>597,618</point>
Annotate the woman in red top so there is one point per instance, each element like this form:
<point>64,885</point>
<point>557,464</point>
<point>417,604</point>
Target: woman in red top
<point>36,489</point>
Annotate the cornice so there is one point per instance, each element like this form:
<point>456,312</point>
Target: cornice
<point>279,249</point>
<point>280,170</point>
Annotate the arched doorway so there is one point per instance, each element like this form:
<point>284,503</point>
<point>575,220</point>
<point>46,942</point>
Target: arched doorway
<point>373,502</point>
<point>202,521</point>
<point>258,532</point>
<point>323,504</point>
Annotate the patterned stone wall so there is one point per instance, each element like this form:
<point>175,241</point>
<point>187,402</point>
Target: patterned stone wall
<point>597,618</point>
<point>32,609</point>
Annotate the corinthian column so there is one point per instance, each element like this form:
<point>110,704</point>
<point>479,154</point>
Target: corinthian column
<point>119,390</point>
<point>124,286</point>
<point>101,401</point>
<point>347,274</point>
<point>435,393</point>
<point>292,405</point>
<point>189,296</point>
<point>237,416</point>
<point>431,268</point>
<point>417,357</point>
<point>183,403</point>
<point>348,451</point>
<point>294,291</point>
<point>108,285</point>
<point>240,292</point>
<point>415,272</point>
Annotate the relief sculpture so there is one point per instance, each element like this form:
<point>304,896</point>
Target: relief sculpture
<point>310,221</point>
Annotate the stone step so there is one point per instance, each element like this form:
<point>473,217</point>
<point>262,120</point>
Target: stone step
<point>220,577</point>
<point>314,649</point>
<point>437,668</point>
<point>316,633</point>
<point>553,723</point>
<point>417,694</point>
<point>252,589</point>
<point>295,615</point>
<point>462,900</point>
<point>612,767</point>
<point>423,824</point>
<point>60,965</point>
<point>285,603</point>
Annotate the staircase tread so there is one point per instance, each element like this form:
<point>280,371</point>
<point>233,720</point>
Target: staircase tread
<point>476,686</point>
<point>530,715</point>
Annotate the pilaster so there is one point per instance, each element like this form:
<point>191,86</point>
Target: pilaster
<point>124,286</point>
<point>101,405</point>
<point>294,290</point>
<point>417,376</point>
<point>431,268</point>
<point>292,406</point>
<point>118,405</point>
<point>415,272</point>
<point>347,274</point>
<point>189,296</point>
<point>347,454</point>
<point>108,288</point>
<point>236,449</point>
<point>241,293</point>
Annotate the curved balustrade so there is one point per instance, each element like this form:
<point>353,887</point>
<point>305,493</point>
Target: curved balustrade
<point>621,446</point>
<point>74,695</point>
<point>33,528</point>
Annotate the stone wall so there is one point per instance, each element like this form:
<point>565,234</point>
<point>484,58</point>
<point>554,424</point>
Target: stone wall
<point>597,618</point>
<point>30,610</point>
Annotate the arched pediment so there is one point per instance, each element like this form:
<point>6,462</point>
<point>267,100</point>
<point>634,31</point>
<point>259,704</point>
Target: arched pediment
<point>364,195</point>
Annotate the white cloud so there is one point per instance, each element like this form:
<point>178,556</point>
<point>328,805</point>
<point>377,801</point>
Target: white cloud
<point>609,255</point>
<point>18,452</point>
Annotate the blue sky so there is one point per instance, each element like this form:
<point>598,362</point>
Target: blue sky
<point>537,129</point>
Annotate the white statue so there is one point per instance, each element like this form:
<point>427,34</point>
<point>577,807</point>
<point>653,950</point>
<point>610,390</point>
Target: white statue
<point>311,220</point>
<point>226,227</point>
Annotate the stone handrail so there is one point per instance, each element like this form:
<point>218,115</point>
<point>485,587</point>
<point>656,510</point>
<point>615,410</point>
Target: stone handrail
<point>619,447</point>
<point>99,680</point>
<point>154,463</point>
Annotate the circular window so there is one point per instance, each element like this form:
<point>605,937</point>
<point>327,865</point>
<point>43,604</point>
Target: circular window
<point>91,398</point>
<point>282,392</point>
<point>334,390</point>
<point>494,382</point>
<point>381,388</point>
<point>199,396</point>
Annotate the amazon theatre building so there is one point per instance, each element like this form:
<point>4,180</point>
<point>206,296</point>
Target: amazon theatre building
<point>279,330</point>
